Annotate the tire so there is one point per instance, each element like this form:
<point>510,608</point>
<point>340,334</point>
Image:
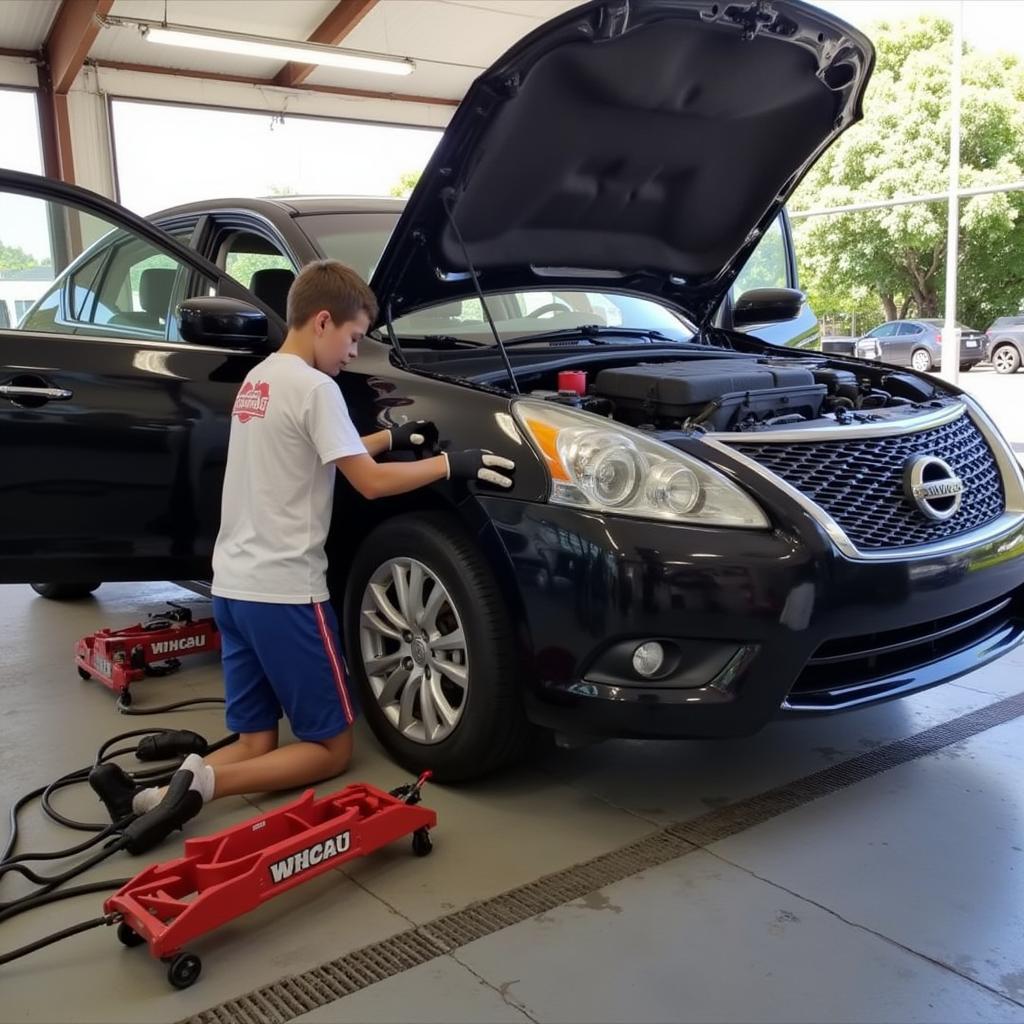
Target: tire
<point>1006,358</point>
<point>921,360</point>
<point>422,844</point>
<point>966,367</point>
<point>480,726</point>
<point>128,936</point>
<point>64,591</point>
<point>184,970</point>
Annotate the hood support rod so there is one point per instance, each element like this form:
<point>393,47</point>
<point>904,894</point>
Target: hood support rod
<point>447,198</point>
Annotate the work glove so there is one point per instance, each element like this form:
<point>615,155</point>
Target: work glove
<point>480,465</point>
<point>416,436</point>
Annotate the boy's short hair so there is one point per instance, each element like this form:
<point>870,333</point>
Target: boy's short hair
<point>330,285</point>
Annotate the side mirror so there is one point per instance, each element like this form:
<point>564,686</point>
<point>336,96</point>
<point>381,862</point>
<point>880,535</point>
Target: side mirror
<point>222,321</point>
<point>767,306</point>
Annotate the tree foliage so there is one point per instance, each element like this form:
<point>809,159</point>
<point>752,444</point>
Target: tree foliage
<point>405,184</point>
<point>896,256</point>
<point>13,258</point>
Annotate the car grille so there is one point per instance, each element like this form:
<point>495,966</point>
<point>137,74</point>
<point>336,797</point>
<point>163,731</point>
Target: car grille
<point>867,667</point>
<point>859,483</point>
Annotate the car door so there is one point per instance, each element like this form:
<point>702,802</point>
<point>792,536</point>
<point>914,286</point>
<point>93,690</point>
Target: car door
<point>908,336</point>
<point>114,428</point>
<point>773,265</point>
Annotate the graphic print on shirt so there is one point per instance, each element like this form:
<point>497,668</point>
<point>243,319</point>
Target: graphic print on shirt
<point>252,401</point>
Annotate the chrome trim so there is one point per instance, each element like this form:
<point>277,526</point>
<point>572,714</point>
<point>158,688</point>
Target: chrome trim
<point>1013,489</point>
<point>858,431</point>
<point>15,391</point>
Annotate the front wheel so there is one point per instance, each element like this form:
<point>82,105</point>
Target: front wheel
<point>64,591</point>
<point>1006,359</point>
<point>921,360</point>
<point>432,648</point>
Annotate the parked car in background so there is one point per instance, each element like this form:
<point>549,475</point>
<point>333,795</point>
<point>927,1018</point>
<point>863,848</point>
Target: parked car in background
<point>1004,347</point>
<point>918,343</point>
<point>839,345</point>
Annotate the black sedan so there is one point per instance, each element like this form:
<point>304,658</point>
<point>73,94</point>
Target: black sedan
<point>706,530</point>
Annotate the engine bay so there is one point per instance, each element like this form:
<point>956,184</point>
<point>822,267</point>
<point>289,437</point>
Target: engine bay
<point>738,393</point>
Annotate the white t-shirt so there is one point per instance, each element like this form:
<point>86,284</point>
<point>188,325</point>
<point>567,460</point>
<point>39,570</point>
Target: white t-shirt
<point>288,425</point>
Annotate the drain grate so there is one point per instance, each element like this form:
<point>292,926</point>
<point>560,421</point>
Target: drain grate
<point>288,998</point>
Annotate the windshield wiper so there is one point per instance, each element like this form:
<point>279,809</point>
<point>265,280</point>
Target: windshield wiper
<point>597,334</point>
<point>442,341</point>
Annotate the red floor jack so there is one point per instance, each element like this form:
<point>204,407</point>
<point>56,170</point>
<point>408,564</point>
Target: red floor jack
<point>120,657</point>
<point>223,876</point>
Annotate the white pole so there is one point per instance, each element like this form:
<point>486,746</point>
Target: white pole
<point>950,340</point>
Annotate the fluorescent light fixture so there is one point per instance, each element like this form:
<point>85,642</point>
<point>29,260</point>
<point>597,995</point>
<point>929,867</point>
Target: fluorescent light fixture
<point>274,49</point>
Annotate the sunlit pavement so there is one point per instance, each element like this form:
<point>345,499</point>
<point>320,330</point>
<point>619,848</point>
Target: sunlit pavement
<point>1003,399</point>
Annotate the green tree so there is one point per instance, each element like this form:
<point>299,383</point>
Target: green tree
<point>13,258</point>
<point>405,184</point>
<point>901,148</point>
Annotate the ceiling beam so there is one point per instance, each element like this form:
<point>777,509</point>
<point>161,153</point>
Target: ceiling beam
<point>28,54</point>
<point>331,31</point>
<point>73,32</point>
<point>331,90</point>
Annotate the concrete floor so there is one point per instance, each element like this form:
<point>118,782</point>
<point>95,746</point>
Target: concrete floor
<point>898,898</point>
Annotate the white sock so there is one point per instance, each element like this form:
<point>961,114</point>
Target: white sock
<point>146,799</point>
<point>202,781</point>
<point>202,776</point>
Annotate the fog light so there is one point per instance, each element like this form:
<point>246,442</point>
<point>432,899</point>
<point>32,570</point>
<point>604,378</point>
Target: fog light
<point>648,659</point>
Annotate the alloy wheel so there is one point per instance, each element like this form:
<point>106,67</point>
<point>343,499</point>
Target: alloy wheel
<point>414,650</point>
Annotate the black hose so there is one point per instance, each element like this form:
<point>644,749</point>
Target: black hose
<point>71,851</point>
<point>49,882</point>
<point>64,933</point>
<point>126,710</point>
<point>43,899</point>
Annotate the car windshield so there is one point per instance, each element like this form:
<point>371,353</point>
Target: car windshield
<point>942,323</point>
<point>358,240</point>
<point>523,314</point>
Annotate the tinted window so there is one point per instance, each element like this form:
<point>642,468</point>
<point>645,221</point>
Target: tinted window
<point>357,239</point>
<point>86,275</point>
<point>768,266</point>
<point>905,329</point>
<point>246,253</point>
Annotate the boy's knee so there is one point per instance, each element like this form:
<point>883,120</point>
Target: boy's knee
<point>340,750</point>
<point>255,744</point>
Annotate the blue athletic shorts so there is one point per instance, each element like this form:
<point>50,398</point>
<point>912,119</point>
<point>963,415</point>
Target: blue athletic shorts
<point>284,657</point>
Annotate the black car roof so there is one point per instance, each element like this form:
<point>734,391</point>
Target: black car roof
<point>290,206</point>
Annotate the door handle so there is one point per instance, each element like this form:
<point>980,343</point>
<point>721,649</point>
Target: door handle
<point>16,391</point>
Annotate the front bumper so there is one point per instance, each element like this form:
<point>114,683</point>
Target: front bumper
<point>790,623</point>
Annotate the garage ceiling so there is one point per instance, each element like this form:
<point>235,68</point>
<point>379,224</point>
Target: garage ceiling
<point>451,41</point>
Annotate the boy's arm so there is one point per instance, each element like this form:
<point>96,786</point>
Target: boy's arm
<point>383,479</point>
<point>377,444</point>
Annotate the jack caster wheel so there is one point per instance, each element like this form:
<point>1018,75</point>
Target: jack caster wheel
<point>125,698</point>
<point>82,674</point>
<point>184,970</point>
<point>421,842</point>
<point>128,936</point>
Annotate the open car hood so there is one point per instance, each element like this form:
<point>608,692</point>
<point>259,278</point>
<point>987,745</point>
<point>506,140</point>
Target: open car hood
<point>634,145</point>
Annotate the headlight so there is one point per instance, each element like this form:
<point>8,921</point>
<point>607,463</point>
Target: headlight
<point>594,464</point>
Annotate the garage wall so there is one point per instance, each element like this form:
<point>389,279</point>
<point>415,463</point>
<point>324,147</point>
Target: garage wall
<point>18,71</point>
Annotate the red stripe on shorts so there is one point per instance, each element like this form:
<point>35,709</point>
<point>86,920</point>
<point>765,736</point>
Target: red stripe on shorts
<point>332,657</point>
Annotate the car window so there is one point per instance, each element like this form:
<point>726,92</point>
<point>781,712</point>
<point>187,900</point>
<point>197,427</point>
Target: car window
<point>245,253</point>
<point>905,329</point>
<point>357,239</point>
<point>768,266</point>
<point>883,331</point>
<point>85,275</point>
<point>520,314</point>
